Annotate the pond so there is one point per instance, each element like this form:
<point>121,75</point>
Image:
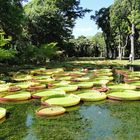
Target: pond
<point>103,120</point>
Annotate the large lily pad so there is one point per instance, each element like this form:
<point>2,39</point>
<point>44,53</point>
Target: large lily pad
<point>83,85</point>
<point>92,95</point>
<point>22,77</point>
<point>24,85</point>
<point>17,96</point>
<point>122,87</point>
<point>65,100</point>
<point>2,112</point>
<point>68,88</point>
<point>4,87</point>
<point>82,79</point>
<point>125,95</point>
<point>47,93</point>
<point>62,83</point>
<point>51,111</point>
<point>67,78</point>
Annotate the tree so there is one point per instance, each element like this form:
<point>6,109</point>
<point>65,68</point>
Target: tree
<point>125,20</point>
<point>134,9</point>
<point>52,20</point>
<point>12,17</point>
<point>118,20</point>
<point>99,42</point>
<point>81,47</point>
<point>102,19</point>
<point>5,53</point>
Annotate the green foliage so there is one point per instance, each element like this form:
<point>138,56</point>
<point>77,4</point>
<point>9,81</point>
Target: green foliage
<point>4,41</point>
<point>116,23</point>
<point>102,19</point>
<point>52,21</point>
<point>38,54</point>
<point>46,50</point>
<point>12,17</point>
<point>5,53</point>
<point>98,40</point>
<point>81,47</point>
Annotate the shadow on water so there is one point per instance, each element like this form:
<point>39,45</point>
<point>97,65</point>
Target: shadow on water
<point>133,67</point>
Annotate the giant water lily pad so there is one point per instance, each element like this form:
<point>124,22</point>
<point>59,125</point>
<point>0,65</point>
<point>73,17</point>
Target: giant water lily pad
<point>92,95</point>
<point>4,87</point>
<point>25,85</point>
<point>36,87</point>
<point>103,70</point>
<point>125,95</point>
<point>62,83</point>
<point>67,78</point>
<point>38,71</point>
<point>47,80</point>
<point>65,100</point>
<point>2,112</point>
<point>122,87</point>
<point>47,93</point>
<point>54,71</point>
<point>17,96</point>
<point>22,77</point>
<point>68,88</point>
<point>103,73</point>
<point>77,73</point>
<point>82,79</point>
<point>83,85</point>
<point>51,111</point>
<point>135,83</point>
<point>110,78</point>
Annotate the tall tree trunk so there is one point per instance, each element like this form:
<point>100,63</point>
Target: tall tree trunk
<point>119,48</point>
<point>132,42</point>
<point>124,47</point>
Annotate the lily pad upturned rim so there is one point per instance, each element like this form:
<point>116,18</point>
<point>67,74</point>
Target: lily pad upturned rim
<point>36,96</point>
<point>120,95</point>
<point>92,95</point>
<point>7,98</point>
<point>2,112</point>
<point>68,104</point>
<point>60,112</point>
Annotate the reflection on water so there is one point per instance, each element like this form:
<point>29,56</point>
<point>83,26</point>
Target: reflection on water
<point>104,120</point>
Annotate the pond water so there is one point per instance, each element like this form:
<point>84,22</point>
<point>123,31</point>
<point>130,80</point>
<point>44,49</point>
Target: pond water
<point>105,120</point>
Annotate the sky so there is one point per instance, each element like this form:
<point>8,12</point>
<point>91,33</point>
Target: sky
<point>86,26</point>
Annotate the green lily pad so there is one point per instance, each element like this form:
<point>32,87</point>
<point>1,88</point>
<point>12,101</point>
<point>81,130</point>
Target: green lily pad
<point>68,88</point>
<point>2,112</point>
<point>92,96</point>
<point>22,77</point>
<point>82,79</point>
<point>110,78</point>
<point>83,85</point>
<point>122,87</point>
<point>135,83</point>
<point>125,95</point>
<point>4,87</point>
<point>65,100</point>
<point>25,85</point>
<point>51,111</point>
<point>47,93</point>
<point>17,96</point>
<point>62,83</point>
